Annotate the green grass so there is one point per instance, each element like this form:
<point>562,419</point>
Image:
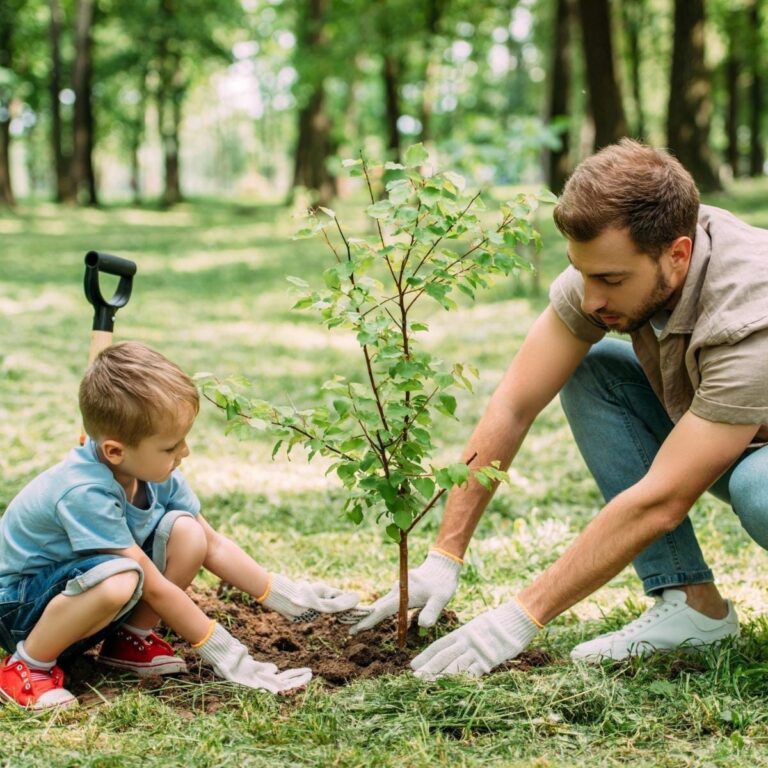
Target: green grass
<point>211,294</point>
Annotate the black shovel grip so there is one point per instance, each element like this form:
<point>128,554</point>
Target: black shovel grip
<point>104,311</point>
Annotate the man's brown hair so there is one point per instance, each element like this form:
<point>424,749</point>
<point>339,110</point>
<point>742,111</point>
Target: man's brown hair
<point>130,391</point>
<point>629,186</point>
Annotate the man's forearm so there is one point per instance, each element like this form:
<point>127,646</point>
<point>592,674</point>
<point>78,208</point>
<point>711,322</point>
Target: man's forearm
<point>497,437</point>
<point>622,529</point>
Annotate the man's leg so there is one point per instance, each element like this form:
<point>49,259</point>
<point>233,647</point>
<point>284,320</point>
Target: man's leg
<point>745,487</point>
<point>619,425</point>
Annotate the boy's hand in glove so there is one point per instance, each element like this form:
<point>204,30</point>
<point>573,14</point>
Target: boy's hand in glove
<point>305,601</point>
<point>230,660</point>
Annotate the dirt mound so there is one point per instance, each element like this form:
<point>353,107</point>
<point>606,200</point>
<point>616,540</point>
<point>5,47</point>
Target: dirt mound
<point>324,645</point>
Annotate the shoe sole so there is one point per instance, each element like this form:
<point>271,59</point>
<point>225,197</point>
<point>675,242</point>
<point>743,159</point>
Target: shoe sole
<point>171,667</point>
<point>40,707</point>
<point>643,650</point>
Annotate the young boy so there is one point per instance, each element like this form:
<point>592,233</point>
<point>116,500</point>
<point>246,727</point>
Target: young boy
<point>105,543</point>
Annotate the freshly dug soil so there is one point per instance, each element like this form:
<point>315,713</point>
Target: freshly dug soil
<point>323,645</point>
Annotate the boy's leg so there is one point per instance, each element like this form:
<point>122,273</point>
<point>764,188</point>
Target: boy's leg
<point>61,608</point>
<point>178,548</point>
<point>619,425</point>
<point>68,619</point>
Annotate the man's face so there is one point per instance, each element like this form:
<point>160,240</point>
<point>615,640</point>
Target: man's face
<point>624,287</point>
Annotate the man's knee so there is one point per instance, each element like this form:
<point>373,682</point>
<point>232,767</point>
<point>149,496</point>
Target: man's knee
<point>749,498</point>
<point>187,539</point>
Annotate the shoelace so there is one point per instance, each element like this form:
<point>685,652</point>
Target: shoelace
<point>39,675</point>
<point>652,613</point>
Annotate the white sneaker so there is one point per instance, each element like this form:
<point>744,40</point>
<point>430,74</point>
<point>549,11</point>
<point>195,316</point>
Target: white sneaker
<point>668,624</point>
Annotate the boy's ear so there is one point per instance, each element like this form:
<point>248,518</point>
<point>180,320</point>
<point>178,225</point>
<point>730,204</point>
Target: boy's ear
<point>113,451</point>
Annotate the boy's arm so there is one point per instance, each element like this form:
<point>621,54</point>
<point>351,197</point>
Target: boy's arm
<point>229,658</point>
<point>230,563</point>
<point>170,602</point>
<point>298,601</point>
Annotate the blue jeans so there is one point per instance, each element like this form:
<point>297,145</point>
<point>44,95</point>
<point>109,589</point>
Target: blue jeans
<point>619,424</point>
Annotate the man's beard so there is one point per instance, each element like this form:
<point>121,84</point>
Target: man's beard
<point>656,301</point>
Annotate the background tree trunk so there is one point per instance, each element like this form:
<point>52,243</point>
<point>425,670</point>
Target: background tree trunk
<point>435,10</point>
<point>634,14</point>
<point>732,71</point>
<point>604,92</point>
<point>83,176</point>
<point>756,100</point>
<point>690,97</point>
<point>6,61</point>
<point>314,144</point>
<point>558,161</point>
<point>61,161</point>
<point>391,75</point>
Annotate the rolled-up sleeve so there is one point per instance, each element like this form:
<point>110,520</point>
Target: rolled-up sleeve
<point>734,382</point>
<point>565,295</point>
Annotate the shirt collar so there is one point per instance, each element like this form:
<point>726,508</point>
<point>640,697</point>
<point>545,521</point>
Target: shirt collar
<point>685,313</point>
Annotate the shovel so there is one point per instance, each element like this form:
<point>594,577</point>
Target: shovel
<point>104,311</point>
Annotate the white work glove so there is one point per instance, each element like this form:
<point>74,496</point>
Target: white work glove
<point>305,601</point>
<point>479,646</point>
<point>230,659</point>
<point>430,587</point>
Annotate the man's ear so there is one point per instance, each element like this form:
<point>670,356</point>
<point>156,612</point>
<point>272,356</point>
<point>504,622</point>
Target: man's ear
<point>113,451</point>
<point>680,251</point>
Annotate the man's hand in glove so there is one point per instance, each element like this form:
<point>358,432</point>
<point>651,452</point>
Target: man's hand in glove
<point>476,648</point>
<point>430,587</point>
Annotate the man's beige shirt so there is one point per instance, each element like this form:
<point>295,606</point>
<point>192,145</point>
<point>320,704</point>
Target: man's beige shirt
<point>712,356</point>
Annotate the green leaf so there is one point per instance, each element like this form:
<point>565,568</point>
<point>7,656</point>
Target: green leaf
<point>355,514</point>
<point>403,519</point>
<point>459,473</point>
<point>424,485</point>
<point>447,404</point>
<point>390,166</point>
<point>393,532</point>
<point>297,281</point>
<point>456,180</point>
<point>342,407</point>
<point>380,210</point>
<point>416,155</point>
<point>546,196</point>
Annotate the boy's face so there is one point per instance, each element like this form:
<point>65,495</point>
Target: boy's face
<point>156,456</point>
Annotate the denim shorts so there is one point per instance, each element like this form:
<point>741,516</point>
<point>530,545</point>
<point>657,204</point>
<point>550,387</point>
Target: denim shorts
<point>22,604</point>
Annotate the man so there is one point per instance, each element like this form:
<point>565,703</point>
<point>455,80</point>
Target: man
<point>682,409</point>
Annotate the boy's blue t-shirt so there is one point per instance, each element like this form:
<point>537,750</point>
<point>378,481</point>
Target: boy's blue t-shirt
<point>77,506</point>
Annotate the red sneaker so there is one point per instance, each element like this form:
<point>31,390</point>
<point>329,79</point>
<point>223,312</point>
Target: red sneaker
<point>145,656</point>
<point>33,689</point>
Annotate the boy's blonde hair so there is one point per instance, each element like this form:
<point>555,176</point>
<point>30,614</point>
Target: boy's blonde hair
<point>130,390</point>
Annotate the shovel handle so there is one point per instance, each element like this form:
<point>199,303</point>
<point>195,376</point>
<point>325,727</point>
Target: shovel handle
<point>104,310</point>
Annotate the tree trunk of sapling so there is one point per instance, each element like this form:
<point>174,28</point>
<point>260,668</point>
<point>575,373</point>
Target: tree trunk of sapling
<point>402,613</point>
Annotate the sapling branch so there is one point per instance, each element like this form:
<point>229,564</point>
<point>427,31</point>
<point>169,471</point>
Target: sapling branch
<point>283,425</point>
<point>433,501</point>
<point>445,234</point>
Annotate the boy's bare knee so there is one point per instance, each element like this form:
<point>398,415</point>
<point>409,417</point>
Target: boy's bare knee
<point>117,590</point>
<point>188,538</point>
